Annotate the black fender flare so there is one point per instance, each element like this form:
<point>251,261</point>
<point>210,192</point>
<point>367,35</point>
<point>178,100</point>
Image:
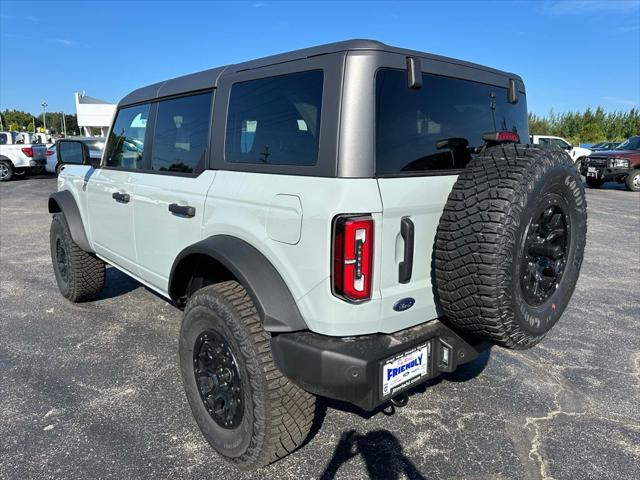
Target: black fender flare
<point>63,202</point>
<point>271,296</point>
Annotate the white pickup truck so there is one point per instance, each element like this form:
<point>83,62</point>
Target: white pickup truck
<point>576,153</point>
<point>18,156</point>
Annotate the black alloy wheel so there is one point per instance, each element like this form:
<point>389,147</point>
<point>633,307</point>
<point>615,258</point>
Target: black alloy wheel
<point>545,253</point>
<point>62,260</point>
<point>218,379</point>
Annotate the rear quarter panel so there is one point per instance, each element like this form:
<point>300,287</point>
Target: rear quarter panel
<point>242,204</point>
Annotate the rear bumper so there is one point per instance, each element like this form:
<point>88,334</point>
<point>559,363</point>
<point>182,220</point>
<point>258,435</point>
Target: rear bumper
<point>350,368</point>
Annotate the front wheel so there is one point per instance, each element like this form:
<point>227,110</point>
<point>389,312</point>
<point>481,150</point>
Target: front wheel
<point>79,274</point>
<point>246,409</point>
<point>633,181</point>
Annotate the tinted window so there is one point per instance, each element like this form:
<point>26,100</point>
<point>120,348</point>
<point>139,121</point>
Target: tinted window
<point>125,146</point>
<point>181,135</point>
<point>3,138</point>
<point>439,126</point>
<point>275,120</point>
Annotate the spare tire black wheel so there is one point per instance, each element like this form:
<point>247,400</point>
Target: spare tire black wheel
<point>510,244</point>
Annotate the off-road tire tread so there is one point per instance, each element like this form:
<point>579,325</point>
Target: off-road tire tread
<point>283,418</point>
<point>475,238</point>
<point>87,272</point>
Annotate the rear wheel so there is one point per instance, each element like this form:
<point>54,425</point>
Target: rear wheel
<point>510,244</point>
<point>633,181</point>
<point>6,171</point>
<point>246,409</point>
<point>79,274</point>
<point>595,182</point>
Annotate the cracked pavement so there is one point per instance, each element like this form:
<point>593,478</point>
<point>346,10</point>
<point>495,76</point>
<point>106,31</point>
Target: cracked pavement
<point>94,390</point>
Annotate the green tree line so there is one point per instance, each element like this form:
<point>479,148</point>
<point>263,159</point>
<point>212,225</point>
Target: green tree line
<point>19,121</point>
<point>590,126</point>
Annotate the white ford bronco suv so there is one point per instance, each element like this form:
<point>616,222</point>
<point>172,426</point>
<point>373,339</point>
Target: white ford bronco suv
<point>347,221</point>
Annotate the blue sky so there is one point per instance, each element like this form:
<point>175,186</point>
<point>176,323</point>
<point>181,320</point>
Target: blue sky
<point>571,53</point>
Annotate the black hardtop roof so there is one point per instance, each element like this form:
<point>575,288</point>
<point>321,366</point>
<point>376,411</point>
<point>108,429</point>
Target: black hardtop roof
<point>209,78</point>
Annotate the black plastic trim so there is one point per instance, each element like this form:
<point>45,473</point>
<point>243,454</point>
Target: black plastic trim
<point>350,369</point>
<point>64,202</point>
<point>405,268</point>
<point>271,296</point>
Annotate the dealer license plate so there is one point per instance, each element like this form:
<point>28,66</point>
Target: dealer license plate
<point>592,172</point>
<point>405,369</point>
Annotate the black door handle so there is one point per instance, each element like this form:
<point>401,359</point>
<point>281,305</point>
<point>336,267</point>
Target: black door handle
<point>184,210</point>
<point>405,267</point>
<point>120,197</point>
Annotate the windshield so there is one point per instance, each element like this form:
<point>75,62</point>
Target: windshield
<point>440,125</point>
<point>632,144</point>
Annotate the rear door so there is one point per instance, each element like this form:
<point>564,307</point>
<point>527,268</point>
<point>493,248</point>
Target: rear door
<point>109,189</point>
<point>169,196</point>
<point>424,137</point>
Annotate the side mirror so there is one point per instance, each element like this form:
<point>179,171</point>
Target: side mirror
<point>568,147</point>
<point>72,152</point>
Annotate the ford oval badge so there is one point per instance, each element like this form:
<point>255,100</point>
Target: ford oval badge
<point>404,304</point>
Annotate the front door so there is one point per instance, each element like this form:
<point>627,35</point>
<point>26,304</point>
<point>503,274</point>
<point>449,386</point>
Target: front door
<point>109,191</point>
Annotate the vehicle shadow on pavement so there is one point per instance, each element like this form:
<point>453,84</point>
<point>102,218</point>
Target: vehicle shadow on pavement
<point>116,284</point>
<point>382,454</point>
<point>380,449</point>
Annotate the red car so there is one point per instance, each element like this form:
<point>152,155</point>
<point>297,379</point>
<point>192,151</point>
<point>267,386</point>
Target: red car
<point>621,165</point>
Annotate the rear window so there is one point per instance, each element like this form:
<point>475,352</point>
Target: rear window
<point>439,126</point>
<point>275,120</point>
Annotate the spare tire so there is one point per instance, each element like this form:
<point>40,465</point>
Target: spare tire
<point>510,244</point>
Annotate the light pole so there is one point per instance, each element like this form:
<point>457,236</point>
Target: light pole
<point>44,115</point>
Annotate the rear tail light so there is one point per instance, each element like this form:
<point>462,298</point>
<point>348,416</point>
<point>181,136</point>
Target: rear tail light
<point>50,152</point>
<point>353,257</point>
<point>28,151</point>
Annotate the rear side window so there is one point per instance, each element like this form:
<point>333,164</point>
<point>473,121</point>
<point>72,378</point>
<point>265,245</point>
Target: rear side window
<point>125,146</point>
<point>275,120</point>
<point>439,126</point>
<point>3,139</point>
<point>181,134</point>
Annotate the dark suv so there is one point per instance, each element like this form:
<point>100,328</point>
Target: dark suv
<point>621,165</point>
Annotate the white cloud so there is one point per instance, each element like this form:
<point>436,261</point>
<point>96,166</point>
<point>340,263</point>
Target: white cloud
<point>622,101</point>
<point>62,41</point>
<point>587,7</point>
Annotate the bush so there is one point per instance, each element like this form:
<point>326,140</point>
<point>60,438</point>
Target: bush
<point>590,126</point>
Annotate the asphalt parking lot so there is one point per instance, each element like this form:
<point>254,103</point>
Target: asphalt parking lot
<point>94,390</point>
